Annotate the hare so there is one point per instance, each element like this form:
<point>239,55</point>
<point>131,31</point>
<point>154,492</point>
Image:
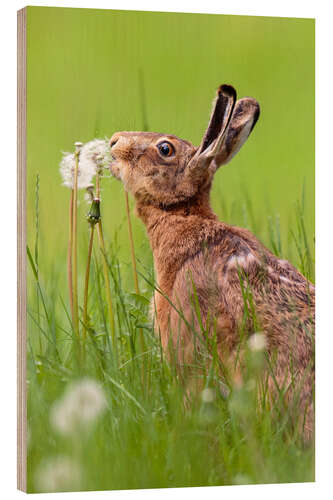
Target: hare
<point>198,258</point>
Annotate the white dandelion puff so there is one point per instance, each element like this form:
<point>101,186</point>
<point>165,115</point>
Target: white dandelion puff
<point>81,404</point>
<point>58,474</point>
<point>67,169</point>
<point>94,156</point>
<point>257,342</point>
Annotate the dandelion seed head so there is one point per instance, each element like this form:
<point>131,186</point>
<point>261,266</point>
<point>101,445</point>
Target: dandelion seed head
<point>94,155</point>
<point>67,169</point>
<point>81,404</point>
<point>58,474</point>
<point>97,153</point>
<point>257,342</point>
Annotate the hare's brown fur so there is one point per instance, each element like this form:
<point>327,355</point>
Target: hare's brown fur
<point>196,254</point>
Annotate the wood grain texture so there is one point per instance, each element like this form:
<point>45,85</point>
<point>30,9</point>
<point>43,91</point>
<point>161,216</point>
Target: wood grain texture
<point>21,253</point>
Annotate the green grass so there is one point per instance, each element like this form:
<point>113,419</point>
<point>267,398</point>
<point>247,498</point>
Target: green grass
<point>148,437</point>
<point>87,74</point>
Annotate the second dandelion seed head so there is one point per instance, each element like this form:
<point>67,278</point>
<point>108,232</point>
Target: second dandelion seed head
<point>81,404</point>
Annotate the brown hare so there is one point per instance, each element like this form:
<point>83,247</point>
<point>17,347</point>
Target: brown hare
<point>197,255</point>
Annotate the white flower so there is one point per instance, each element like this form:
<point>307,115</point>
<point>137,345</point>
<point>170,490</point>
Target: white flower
<point>93,155</point>
<point>59,474</point>
<point>81,404</point>
<point>257,342</point>
<point>208,395</point>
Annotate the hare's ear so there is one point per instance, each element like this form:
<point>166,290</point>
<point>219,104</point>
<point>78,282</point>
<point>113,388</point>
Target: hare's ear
<point>211,143</point>
<point>244,118</point>
<point>223,106</point>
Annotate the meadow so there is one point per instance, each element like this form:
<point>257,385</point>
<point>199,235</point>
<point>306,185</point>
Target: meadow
<point>91,73</point>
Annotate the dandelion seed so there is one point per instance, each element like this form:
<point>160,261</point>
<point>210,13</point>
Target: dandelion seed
<point>89,196</point>
<point>208,395</point>
<point>59,474</point>
<point>94,155</point>
<point>67,168</point>
<point>80,406</point>
<point>257,342</point>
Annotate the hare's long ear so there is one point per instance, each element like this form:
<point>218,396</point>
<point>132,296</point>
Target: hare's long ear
<point>223,106</point>
<point>229,127</point>
<point>211,143</point>
<point>244,118</point>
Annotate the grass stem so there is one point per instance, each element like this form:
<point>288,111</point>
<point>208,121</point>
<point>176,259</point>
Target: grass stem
<point>130,232</point>
<point>37,251</point>
<point>135,275</point>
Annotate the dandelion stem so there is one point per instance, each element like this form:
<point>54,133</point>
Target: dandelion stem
<point>75,277</point>
<point>93,217</point>
<point>105,267</point>
<point>86,284</point>
<point>98,186</point>
<point>107,281</point>
<point>69,256</point>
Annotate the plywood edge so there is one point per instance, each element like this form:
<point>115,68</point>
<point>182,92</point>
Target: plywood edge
<point>21,252</point>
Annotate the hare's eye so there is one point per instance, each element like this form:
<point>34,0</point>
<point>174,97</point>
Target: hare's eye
<point>166,149</point>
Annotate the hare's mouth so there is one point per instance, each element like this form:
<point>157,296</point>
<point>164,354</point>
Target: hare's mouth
<point>115,168</point>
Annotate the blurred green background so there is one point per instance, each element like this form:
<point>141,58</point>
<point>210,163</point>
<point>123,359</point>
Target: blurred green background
<point>92,73</point>
<point>88,70</point>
